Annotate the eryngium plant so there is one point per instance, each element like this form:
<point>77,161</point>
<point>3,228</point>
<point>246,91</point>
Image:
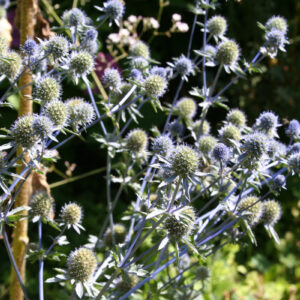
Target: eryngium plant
<point>169,169</point>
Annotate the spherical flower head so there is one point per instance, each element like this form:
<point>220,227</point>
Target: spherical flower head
<point>206,144</point>
<point>275,39</point>
<point>114,9</point>
<point>57,112</point>
<point>139,63</point>
<point>163,72</point>
<point>119,234</point>
<point>176,128</point>
<point>42,126</point>
<point>202,273</point>
<point>137,141</point>
<point>81,113</point>
<point>267,122</point>
<point>71,214</point>
<point>295,148</point>
<point>140,49</point>
<point>275,149</point>
<point>186,107</point>
<point>217,25</point>
<point>126,283</point>
<point>112,79</point>
<point>162,145</point>
<point>91,34</point>
<point>47,89</point>
<point>278,23</point>
<point>81,63</point>
<point>12,65</point>
<point>41,205</point>
<point>230,133</point>
<point>221,153</point>
<point>3,46</point>
<point>183,66</point>
<point>57,47</point>
<point>271,212</point>
<point>117,96</point>
<point>294,162</point>
<point>76,17</point>
<point>136,74</point>
<point>236,117</point>
<point>184,161</point>
<point>253,209</point>
<point>227,53</point>
<point>23,132</point>
<point>279,181</point>
<point>177,228</point>
<point>205,127</point>
<point>82,264</point>
<point>293,131</point>
<point>155,86</point>
<point>30,47</point>
<point>255,144</point>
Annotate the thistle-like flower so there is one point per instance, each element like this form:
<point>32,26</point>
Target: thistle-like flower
<point>155,86</point>
<point>205,127</point>
<point>119,235</point>
<point>82,264</point>
<point>221,153</point>
<point>267,122</point>
<point>294,162</point>
<point>71,215</point>
<point>162,145</point>
<point>80,64</point>
<point>23,132</point>
<point>186,108</point>
<point>57,112</point>
<point>126,283</point>
<point>183,66</point>
<point>47,89</point>
<point>293,131</point>
<point>228,53</point>
<point>251,208</point>
<point>176,128</point>
<point>139,63</point>
<point>42,127</point>
<point>236,117</point>
<point>206,144</point>
<point>278,23</point>
<point>279,182</point>
<point>57,47</point>
<point>140,49</point>
<point>255,144</point>
<point>113,10</point>
<point>112,79</point>
<point>80,112</point>
<point>11,66</point>
<point>202,273</point>
<point>30,47</point>
<point>271,212</point>
<point>41,206</point>
<point>137,141</point>
<point>217,25</point>
<point>295,148</point>
<point>184,161</point>
<point>74,17</point>
<point>229,134</point>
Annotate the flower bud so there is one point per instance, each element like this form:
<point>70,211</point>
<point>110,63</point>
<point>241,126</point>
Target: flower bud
<point>140,49</point>
<point>186,107</point>
<point>119,234</point>
<point>271,212</point>
<point>184,161</point>
<point>71,214</point>
<point>227,53</point>
<point>47,89</point>
<point>137,141</point>
<point>57,112</point>
<point>253,208</point>
<point>236,117</point>
<point>155,86</point>
<point>82,264</point>
<point>217,25</point>
<point>41,205</point>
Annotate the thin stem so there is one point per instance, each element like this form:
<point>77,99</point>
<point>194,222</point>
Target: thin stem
<point>108,196</point>
<point>41,264</point>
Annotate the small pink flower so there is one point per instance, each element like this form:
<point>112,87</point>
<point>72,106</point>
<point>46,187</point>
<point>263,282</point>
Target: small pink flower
<point>176,17</point>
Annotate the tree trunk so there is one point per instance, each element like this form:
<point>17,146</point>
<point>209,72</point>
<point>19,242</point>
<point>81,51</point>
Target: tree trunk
<point>27,15</point>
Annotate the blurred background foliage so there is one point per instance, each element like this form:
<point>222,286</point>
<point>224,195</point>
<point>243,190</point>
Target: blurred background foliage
<point>264,272</point>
